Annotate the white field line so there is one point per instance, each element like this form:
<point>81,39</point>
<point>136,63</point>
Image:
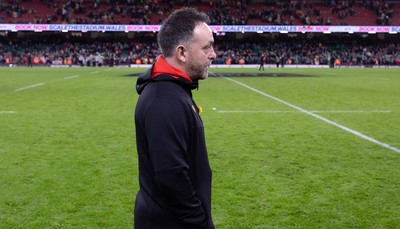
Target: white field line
<point>8,112</point>
<point>285,111</point>
<point>92,73</point>
<point>363,136</point>
<point>27,87</point>
<point>71,77</point>
<point>252,111</point>
<point>352,111</point>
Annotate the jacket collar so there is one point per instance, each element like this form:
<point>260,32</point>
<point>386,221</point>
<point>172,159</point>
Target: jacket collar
<point>162,67</point>
<point>162,71</point>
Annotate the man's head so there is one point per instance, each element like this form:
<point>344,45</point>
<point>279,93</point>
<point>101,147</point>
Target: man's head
<point>186,42</point>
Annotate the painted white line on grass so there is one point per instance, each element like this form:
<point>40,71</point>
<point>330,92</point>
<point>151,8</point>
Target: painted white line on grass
<point>8,112</point>
<point>363,136</point>
<point>92,73</point>
<point>27,87</point>
<point>284,111</point>
<point>254,111</point>
<point>352,111</point>
<point>71,77</point>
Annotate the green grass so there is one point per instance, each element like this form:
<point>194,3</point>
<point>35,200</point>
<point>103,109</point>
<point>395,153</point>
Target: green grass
<point>68,154</point>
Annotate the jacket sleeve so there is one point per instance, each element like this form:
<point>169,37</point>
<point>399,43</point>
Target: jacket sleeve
<point>168,128</point>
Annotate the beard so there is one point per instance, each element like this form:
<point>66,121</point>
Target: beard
<point>198,71</point>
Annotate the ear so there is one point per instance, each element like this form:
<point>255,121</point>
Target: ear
<point>181,53</point>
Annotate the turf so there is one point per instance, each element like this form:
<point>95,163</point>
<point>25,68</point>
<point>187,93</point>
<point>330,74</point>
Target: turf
<point>68,156</point>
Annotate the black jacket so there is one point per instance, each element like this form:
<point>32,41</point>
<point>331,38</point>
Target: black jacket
<point>174,171</point>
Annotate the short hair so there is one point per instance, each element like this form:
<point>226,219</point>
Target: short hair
<point>178,29</point>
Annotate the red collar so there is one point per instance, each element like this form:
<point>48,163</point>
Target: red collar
<point>162,67</point>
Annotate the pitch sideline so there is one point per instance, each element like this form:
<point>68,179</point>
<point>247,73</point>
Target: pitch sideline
<point>30,86</point>
<point>291,111</point>
<point>363,136</point>
<point>71,77</point>
<point>8,112</point>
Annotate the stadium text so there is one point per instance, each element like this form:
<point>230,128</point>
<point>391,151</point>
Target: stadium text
<point>215,28</point>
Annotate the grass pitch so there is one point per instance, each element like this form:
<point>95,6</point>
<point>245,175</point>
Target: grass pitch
<point>278,154</point>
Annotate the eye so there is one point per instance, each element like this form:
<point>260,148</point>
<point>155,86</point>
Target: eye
<point>208,47</point>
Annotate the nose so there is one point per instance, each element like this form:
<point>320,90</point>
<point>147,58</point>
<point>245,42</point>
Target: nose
<point>212,55</point>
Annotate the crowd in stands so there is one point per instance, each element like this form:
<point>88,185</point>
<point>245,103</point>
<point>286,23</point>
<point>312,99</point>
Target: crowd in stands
<point>384,12</point>
<point>291,50</point>
<point>222,12</point>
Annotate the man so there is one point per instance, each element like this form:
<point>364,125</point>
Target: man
<point>29,59</point>
<point>174,171</point>
<point>262,61</point>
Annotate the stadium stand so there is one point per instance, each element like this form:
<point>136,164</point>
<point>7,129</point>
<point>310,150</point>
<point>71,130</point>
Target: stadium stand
<point>61,48</point>
<point>222,12</point>
<point>85,49</point>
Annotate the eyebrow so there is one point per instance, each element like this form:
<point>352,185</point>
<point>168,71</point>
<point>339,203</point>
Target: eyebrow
<point>210,43</point>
